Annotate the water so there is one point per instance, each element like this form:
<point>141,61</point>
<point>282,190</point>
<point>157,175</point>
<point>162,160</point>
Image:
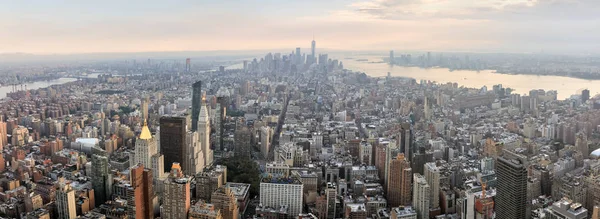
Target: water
<point>35,85</point>
<point>522,84</point>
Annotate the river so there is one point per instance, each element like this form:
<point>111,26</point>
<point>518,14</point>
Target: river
<point>35,85</point>
<point>521,84</point>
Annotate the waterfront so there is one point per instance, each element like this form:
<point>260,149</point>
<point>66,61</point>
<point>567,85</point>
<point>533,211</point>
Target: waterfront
<point>522,84</point>
<point>34,85</point>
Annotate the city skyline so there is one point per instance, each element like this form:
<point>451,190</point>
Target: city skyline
<point>485,26</point>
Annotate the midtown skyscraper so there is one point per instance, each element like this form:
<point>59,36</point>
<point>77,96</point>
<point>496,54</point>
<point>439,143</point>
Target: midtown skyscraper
<point>140,193</point>
<point>101,180</point>
<point>173,134</point>
<point>511,196</point>
<point>65,201</point>
<point>196,103</point>
<point>398,187</point>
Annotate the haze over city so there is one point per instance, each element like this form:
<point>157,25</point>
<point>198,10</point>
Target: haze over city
<point>63,27</point>
<point>329,109</point>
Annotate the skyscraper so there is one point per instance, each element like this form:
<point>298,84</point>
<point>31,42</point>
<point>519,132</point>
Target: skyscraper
<point>399,178</point>
<point>176,197</point>
<point>265,140</point>
<point>298,56</point>
<point>101,178</point>
<point>276,192</point>
<point>313,46</point>
<point>220,114</point>
<point>3,134</point>
<point>204,133</point>
<point>224,199</point>
<point>242,146</point>
<point>432,175</point>
<point>196,103</point>
<point>188,66</point>
<point>193,161</point>
<point>585,95</point>
<point>209,181</point>
<point>145,147</point>
<point>65,201</point>
<point>172,140</point>
<point>511,196</point>
<point>145,109</point>
<point>421,194</point>
<point>392,59</point>
<point>140,193</point>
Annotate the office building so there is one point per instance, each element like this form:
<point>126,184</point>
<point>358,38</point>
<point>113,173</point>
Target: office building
<point>566,209</point>
<point>145,147</point>
<point>403,212</point>
<point>101,177</point>
<point>220,114</point>
<point>421,195</point>
<point>313,47</point>
<point>176,196</point>
<point>585,95</point>
<point>265,140</point>
<point>188,65</point>
<point>355,211</point>
<point>196,103</point>
<point>511,197</point>
<point>65,201</point>
<point>282,191</point>
<point>140,193</point>
<point>399,178</point>
<point>204,134</point>
<point>144,108</point>
<point>193,162</point>
<point>432,175</point>
<point>209,181</point>
<point>224,200</point>
<point>173,133</point>
<point>331,197</point>
<point>202,210</point>
<point>3,135</point>
<point>242,147</point>
<point>392,58</point>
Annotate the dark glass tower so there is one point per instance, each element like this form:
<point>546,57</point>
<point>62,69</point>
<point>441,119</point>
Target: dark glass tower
<point>196,103</point>
<point>511,196</point>
<point>172,140</point>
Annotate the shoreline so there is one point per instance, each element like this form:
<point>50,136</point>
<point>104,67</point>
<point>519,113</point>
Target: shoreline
<point>590,77</point>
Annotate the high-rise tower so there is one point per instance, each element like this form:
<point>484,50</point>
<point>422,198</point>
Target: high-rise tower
<point>188,66</point>
<point>421,195</point>
<point>145,147</point>
<point>172,140</point>
<point>65,201</point>
<point>101,178</point>
<point>204,133</point>
<point>399,178</point>
<point>224,200</point>
<point>140,193</point>
<point>432,175</point>
<point>313,46</point>
<point>196,103</point>
<point>511,196</point>
<point>176,198</point>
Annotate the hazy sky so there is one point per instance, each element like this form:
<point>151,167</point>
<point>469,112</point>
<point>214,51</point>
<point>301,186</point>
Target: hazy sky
<point>50,26</point>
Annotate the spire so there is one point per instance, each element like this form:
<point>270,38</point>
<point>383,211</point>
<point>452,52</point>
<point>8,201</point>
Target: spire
<point>203,117</point>
<point>145,135</point>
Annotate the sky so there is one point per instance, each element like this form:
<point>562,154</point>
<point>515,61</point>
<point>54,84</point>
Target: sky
<point>75,26</point>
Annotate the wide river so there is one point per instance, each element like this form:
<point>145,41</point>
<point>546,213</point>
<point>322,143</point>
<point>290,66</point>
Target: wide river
<point>34,85</point>
<point>476,79</point>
